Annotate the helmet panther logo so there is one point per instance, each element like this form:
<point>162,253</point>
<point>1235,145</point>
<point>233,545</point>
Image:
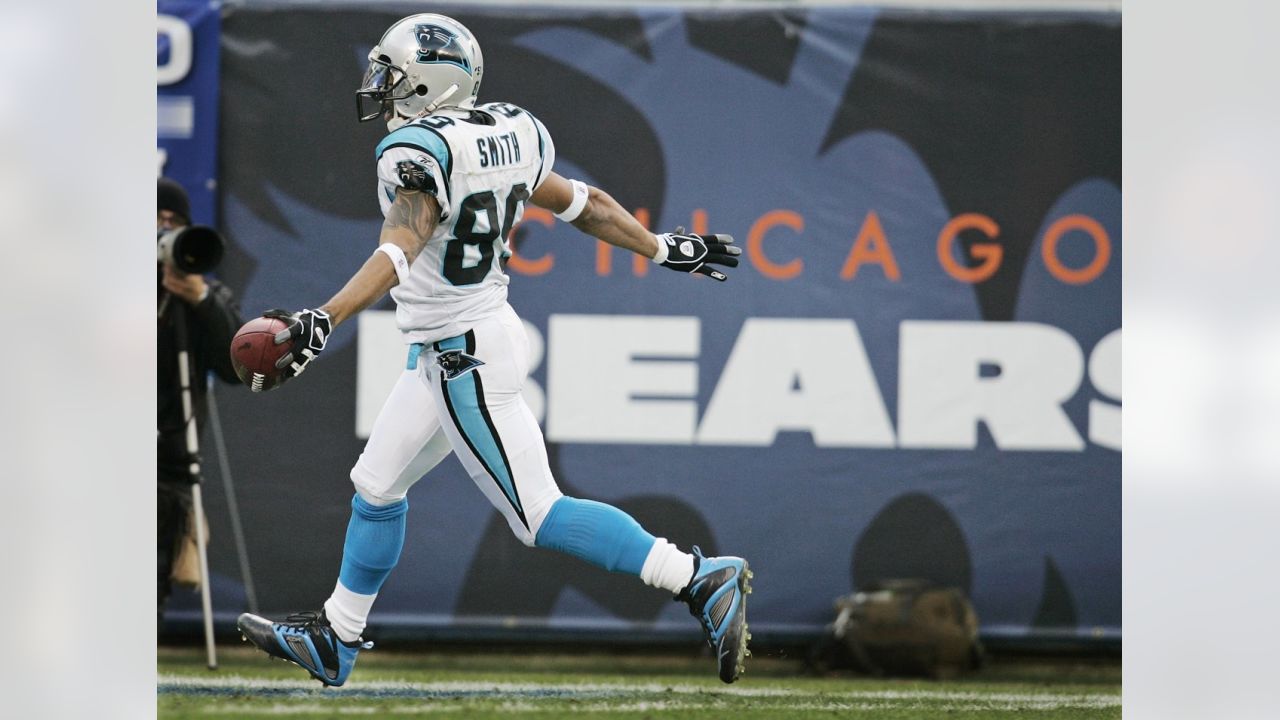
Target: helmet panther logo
<point>437,44</point>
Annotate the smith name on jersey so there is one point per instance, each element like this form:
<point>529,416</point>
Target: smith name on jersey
<point>481,166</point>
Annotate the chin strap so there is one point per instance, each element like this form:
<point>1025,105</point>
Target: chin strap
<point>439,100</point>
<point>399,120</point>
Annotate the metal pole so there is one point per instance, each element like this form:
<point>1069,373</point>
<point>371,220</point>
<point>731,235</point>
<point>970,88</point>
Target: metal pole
<point>233,507</point>
<point>197,504</point>
<point>206,603</point>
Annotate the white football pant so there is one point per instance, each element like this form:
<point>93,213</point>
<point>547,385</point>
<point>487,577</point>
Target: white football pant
<point>474,409</point>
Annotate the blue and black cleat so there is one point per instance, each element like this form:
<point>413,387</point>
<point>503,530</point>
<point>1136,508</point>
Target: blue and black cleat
<point>717,596</point>
<point>305,639</point>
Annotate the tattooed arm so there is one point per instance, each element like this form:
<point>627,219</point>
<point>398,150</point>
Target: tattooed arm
<point>409,224</point>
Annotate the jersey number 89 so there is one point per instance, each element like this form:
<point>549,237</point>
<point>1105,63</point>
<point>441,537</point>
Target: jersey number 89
<point>465,233</point>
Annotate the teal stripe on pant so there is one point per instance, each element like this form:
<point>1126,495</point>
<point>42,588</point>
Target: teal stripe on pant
<point>464,396</point>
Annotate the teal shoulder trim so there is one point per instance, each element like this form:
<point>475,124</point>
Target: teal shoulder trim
<point>423,138</point>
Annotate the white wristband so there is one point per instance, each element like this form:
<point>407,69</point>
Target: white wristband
<point>398,260</point>
<point>572,212</point>
<point>661,255</point>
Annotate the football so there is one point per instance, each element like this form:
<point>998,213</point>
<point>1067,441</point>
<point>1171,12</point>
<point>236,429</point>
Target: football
<point>254,353</point>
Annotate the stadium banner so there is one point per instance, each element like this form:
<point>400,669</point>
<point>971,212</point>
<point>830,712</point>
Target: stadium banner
<point>187,51</point>
<point>914,373</point>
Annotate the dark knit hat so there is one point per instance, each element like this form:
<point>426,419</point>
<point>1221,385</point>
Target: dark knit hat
<point>173,198</point>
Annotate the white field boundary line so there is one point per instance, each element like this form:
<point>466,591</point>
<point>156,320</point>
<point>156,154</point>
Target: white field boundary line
<point>870,699</point>
<point>179,683</point>
<point>328,709</point>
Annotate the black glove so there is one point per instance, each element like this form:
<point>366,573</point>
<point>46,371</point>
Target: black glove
<point>691,253</point>
<point>308,331</point>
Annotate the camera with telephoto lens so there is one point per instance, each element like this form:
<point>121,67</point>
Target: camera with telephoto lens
<point>196,249</point>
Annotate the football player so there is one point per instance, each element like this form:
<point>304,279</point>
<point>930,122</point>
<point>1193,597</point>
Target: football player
<point>453,180</point>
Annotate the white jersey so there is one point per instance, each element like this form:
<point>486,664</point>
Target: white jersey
<point>481,167</point>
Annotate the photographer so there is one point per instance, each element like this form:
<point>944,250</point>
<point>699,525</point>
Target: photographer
<point>212,317</point>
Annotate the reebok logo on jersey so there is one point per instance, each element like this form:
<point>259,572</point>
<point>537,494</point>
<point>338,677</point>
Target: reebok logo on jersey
<point>455,363</point>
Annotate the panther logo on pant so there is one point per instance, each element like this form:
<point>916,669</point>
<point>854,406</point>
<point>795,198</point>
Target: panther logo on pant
<point>455,363</point>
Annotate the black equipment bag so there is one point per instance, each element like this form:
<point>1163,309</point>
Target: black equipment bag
<point>903,627</point>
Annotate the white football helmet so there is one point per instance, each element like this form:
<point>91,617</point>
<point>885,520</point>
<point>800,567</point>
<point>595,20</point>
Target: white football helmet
<point>422,63</point>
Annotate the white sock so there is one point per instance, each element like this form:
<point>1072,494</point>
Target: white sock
<point>667,567</point>
<point>348,612</point>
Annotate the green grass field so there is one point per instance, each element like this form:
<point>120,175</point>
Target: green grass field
<point>388,684</point>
